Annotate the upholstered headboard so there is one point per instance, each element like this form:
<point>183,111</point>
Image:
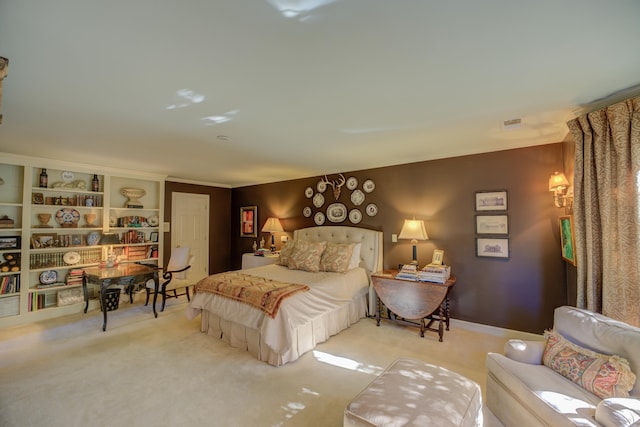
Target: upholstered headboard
<point>371,252</point>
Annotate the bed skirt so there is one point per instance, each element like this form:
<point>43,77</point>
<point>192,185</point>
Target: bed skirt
<point>304,338</point>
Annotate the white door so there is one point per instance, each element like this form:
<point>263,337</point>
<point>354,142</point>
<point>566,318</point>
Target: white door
<point>190,228</point>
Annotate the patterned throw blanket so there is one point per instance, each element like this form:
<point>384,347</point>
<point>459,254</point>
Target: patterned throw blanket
<point>264,294</point>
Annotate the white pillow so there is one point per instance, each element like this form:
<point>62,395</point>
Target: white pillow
<point>354,262</point>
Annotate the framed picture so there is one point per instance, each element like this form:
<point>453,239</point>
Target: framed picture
<point>47,240</point>
<point>492,224</point>
<point>567,239</point>
<point>154,236</point>
<point>438,256</point>
<point>10,242</point>
<point>491,201</point>
<point>248,221</point>
<point>492,247</point>
<point>37,198</point>
<point>77,240</point>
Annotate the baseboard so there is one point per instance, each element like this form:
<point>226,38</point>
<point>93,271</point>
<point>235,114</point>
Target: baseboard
<point>495,331</point>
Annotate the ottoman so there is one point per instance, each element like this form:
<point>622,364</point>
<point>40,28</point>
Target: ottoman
<point>414,393</point>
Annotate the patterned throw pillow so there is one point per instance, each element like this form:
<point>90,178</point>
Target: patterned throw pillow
<point>603,375</point>
<point>285,253</point>
<point>306,256</point>
<point>336,257</point>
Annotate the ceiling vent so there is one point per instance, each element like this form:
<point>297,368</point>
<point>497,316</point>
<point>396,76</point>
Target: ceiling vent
<point>511,124</point>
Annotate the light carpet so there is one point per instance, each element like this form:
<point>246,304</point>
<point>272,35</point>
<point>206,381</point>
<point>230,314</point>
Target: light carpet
<point>164,372</point>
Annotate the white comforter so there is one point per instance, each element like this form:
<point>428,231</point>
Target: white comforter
<point>328,291</point>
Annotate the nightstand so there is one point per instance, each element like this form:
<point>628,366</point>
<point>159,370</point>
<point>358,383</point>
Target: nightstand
<point>409,300</point>
<point>250,260</point>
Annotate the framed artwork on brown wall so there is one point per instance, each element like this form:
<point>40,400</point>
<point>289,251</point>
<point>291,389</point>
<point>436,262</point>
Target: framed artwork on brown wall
<point>491,201</point>
<point>567,239</point>
<point>248,221</point>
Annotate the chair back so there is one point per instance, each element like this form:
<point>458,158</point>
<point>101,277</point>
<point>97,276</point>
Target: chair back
<point>179,259</point>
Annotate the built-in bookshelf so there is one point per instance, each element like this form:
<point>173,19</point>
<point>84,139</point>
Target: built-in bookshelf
<point>53,216</point>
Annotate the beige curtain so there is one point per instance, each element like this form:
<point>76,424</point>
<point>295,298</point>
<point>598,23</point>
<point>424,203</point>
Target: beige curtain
<point>607,210</point>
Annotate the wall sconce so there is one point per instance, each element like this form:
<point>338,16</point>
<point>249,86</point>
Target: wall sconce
<point>272,226</point>
<point>413,229</point>
<point>562,195</point>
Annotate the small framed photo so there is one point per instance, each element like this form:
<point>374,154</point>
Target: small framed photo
<point>492,224</point>
<point>492,247</point>
<point>10,242</point>
<point>248,221</point>
<point>438,257</point>
<point>567,239</point>
<point>37,198</point>
<point>48,240</point>
<point>77,240</point>
<point>154,236</point>
<point>491,201</point>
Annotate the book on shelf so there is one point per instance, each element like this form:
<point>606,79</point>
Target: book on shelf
<point>9,284</point>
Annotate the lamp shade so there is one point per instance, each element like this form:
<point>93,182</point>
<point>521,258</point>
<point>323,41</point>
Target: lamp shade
<point>109,239</point>
<point>413,229</point>
<point>558,181</point>
<point>272,226</point>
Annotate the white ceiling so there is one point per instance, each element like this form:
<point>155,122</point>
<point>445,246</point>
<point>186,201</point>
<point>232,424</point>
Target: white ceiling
<point>302,87</point>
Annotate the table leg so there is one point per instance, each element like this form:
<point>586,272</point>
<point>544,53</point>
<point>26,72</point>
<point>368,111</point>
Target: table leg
<point>85,292</point>
<point>447,311</point>
<point>422,328</point>
<point>155,292</point>
<point>440,322</point>
<point>379,303</point>
<point>103,303</point>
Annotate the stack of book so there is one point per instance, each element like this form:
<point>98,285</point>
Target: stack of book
<point>74,277</point>
<point>435,273</point>
<point>408,272</point>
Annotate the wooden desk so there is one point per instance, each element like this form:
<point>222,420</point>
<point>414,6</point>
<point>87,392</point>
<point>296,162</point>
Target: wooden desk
<point>418,301</point>
<point>125,274</point>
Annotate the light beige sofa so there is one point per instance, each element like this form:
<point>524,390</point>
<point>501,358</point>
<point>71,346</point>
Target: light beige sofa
<point>521,391</point>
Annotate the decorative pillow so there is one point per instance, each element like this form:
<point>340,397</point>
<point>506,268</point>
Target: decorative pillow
<point>603,375</point>
<point>336,257</point>
<point>285,253</point>
<point>306,256</point>
<point>355,257</point>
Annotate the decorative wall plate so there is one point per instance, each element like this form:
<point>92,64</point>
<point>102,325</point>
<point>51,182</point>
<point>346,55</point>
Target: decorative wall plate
<point>318,218</point>
<point>67,216</point>
<point>318,200</point>
<point>371,209</point>
<point>357,197</point>
<point>71,258</point>
<point>93,238</point>
<point>368,186</point>
<point>322,186</point>
<point>48,277</point>
<point>306,212</point>
<point>153,221</point>
<point>308,192</point>
<point>336,212</point>
<point>67,176</point>
<point>355,216</point>
<point>352,183</point>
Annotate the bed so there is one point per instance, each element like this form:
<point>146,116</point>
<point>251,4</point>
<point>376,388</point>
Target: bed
<point>332,303</point>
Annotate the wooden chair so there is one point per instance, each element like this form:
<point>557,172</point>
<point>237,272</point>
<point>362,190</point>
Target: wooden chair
<point>174,277</point>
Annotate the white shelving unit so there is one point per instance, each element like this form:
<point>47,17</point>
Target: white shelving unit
<point>58,227</point>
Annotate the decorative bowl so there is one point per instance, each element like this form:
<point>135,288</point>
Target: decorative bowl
<point>133,194</point>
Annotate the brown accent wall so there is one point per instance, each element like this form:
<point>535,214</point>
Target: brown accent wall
<point>219,220</point>
<point>519,293</point>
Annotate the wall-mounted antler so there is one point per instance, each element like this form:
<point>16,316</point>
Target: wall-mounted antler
<point>336,185</point>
